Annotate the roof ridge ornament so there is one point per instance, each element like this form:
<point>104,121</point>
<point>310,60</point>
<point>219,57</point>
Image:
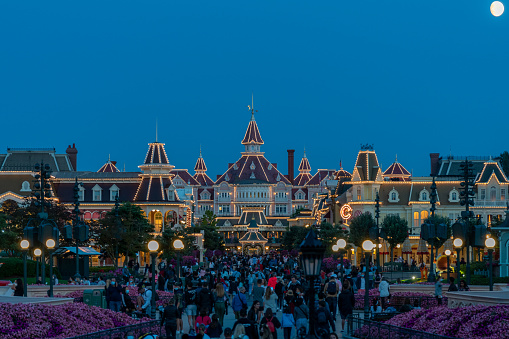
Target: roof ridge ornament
<point>367,147</point>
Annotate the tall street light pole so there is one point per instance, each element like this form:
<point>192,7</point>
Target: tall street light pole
<point>458,243</point>
<point>153,246</point>
<point>178,245</point>
<point>37,253</point>
<point>24,246</point>
<point>490,243</point>
<point>367,246</point>
<point>377,217</point>
<point>448,254</point>
<point>50,244</point>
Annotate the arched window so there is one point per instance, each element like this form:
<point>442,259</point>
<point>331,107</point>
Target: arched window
<point>87,216</point>
<point>359,197</point>
<point>96,216</point>
<point>158,221</point>
<point>454,196</point>
<point>424,196</point>
<point>25,186</point>
<point>424,216</point>
<point>493,193</point>
<point>416,219</point>
<point>393,196</point>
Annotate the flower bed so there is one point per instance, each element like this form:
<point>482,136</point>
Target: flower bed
<point>133,293</point>
<point>57,321</point>
<point>398,298</point>
<point>477,321</point>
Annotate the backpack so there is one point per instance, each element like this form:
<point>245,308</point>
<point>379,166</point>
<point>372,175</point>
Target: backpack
<point>322,317</point>
<point>331,287</point>
<point>270,325</point>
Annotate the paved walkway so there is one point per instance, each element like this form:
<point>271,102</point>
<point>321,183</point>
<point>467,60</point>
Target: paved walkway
<point>229,320</point>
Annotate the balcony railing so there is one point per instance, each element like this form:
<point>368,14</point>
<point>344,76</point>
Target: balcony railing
<point>481,203</point>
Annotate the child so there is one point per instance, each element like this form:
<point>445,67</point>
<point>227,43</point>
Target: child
<point>203,319</point>
<point>287,322</point>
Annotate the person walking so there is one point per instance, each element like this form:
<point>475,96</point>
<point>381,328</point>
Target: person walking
<point>384,290</point>
<point>438,290</point>
<point>323,319</point>
<point>239,303</point>
<point>301,315</point>
<point>191,308</point>
<point>18,288</point>
<point>331,291</point>
<point>287,322</point>
<point>169,319</point>
<point>220,302</point>
<point>346,303</point>
<point>271,322</point>
<point>115,296</point>
<point>270,299</point>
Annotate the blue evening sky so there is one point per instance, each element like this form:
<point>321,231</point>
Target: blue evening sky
<point>409,76</point>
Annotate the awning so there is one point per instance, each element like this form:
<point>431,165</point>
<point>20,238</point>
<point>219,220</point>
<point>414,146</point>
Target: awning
<point>81,251</point>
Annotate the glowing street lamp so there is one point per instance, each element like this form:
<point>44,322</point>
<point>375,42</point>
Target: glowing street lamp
<point>448,254</point>
<point>490,243</point>
<point>153,246</point>
<point>25,244</point>
<point>50,244</point>
<point>458,243</point>
<point>367,246</point>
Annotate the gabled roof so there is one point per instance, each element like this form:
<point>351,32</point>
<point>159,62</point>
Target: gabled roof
<point>109,167</point>
<point>252,135</point>
<point>156,154</point>
<point>492,168</point>
<point>302,179</point>
<point>253,236</point>
<point>320,175</point>
<point>249,214</point>
<point>396,172</point>
<point>252,168</point>
<point>184,175</point>
<point>366,166</point>
<point>200,165</point>
<point>203,179</point>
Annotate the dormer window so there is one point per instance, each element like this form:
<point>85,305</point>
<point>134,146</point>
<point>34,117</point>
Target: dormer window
<point>359,196</point>
<point>97,193</point>
<point>453,195</point>
<point>25,187</point>
<point>81,194</point>
<point>113,192</point>
<point>393,195</point>
<point>424,195</point>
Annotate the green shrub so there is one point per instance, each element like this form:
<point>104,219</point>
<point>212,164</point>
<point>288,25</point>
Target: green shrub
<point>101,269</point>
<point>13,268</point>
<point>481,280</point>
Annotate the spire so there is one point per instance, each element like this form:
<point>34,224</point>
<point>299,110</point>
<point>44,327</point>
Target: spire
<point>252,139</point>
<point>156,130</point>
<point>340,164</point>
<point>396,158</point>
<point>109,166</point>
<point>304,166</point>
<point>200,164</point>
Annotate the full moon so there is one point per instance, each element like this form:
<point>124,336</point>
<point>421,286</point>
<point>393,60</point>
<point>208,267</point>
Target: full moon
<point>497,8</point>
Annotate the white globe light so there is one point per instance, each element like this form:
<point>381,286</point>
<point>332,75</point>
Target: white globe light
<point>490,242</point>
<point>458,242</point>
<point>335,248</point>
<point>341,243</point>
<point>37,252</point>
<point>178,244</point>
<point>153,245</point>
<point>497,8</point>
<point>367,245</point>
<point>24,244</point>
<point>50,243</point>
<point>447,252</point>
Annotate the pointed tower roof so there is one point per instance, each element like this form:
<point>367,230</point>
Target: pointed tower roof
<point>156,154</point>
<point>342,174</point>
<point>396,172</point>
<point>304,166</point>
<point>304,169</point>
<point>252,135</point>
<point>109,167</point>
<point>201,175</point>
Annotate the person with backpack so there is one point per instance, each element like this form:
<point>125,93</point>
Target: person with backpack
<point>220,302</point>
<point>191,308</point>
<point>203,319</point>
<point>271,322</point>
<point>331,290</point>
<point>169,319</point>
<point>245,323</point>
<point>178,294</point>
<point>239,303</point>
<point>287,322</point>
<point>323,319</point>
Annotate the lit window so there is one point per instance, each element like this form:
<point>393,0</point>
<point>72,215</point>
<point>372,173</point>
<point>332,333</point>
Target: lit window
<point>416,219</point>
<point>359,196</point>
<point>158,221</point>
<point>424,216</point>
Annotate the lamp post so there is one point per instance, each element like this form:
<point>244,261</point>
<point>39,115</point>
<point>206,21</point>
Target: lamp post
<point>367,246</point>
<point>458,243</point>
<point>178,245</point>
<point>311,257</point>
<point>37,253</point>
<point>490,243</point>
<point>448,254</point>
<point>50,244</point>
<point>153,246</point>
<point>340,246</point>
<point>24,246</point>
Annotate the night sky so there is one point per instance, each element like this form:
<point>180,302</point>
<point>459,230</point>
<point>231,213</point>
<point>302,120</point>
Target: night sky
<point>411,77</point>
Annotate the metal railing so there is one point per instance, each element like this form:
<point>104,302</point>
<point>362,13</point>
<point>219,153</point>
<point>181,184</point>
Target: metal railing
<point>361,328</point>
<point>131,331</point>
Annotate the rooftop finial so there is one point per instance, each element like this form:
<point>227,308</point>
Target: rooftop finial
<point>396,158</point>
<point>304,152</point>
<point>200,151</point>
<point>340,165</point>
<point>109,159</point>
<point>251,107</point>
<point>156,130</point>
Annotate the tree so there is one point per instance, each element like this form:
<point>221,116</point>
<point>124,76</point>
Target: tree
<point>9,240</point>
<point>213,240</point>
<point>437,220</point>
<point>128,236</point>
<point>504,162</point>
<point>293,237</point>
<point>359,228</point>
<point>169,236</point>
<point>329,234</point>
<point>396,230</point>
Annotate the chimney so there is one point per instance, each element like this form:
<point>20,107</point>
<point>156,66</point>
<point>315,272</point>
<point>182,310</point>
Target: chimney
<point>72,153</point>
<point>434,161</point>
<point>291,175</point>
<point>114,163</point>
